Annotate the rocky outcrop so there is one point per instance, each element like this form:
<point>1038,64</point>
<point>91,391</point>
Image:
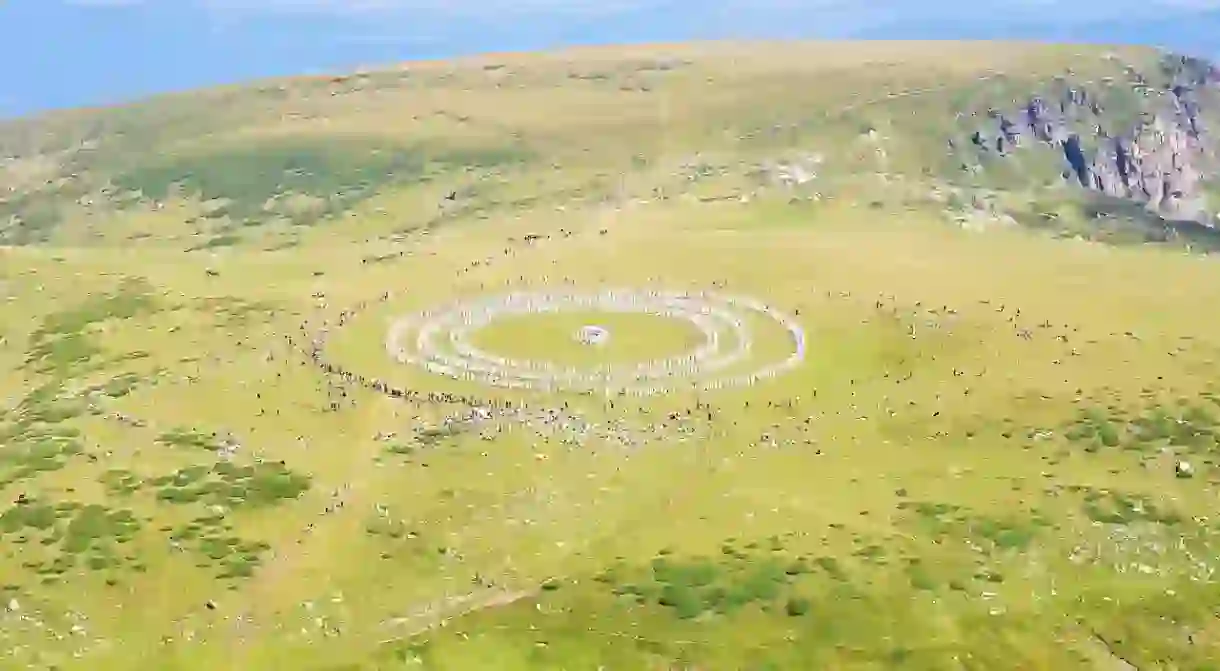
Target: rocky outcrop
<point>1161,158</point>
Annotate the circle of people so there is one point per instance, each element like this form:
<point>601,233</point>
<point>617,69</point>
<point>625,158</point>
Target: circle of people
<point>442,343</point>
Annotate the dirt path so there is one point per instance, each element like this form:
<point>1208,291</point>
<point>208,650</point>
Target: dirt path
<point>438,614</point>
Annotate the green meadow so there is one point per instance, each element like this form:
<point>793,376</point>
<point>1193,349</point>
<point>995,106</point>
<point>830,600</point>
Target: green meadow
<point>999,451</point>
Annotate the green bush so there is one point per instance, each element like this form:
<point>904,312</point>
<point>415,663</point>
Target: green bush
<point>797,607</point>
<point>682,599</point>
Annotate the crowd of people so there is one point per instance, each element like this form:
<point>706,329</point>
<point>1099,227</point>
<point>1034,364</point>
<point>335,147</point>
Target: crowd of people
<point>311,338</point>
<point>442,343</point>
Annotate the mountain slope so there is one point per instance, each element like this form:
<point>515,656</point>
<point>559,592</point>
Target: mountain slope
<point>414,126</point>
<point>296,374</point>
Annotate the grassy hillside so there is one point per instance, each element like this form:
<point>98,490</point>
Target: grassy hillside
<point>999,451</point>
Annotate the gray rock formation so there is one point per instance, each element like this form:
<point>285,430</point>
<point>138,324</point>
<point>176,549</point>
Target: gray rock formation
<point>1161,159</point>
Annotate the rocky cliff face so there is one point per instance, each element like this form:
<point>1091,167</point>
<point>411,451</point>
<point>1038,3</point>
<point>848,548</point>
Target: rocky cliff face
<point>1158,144</point>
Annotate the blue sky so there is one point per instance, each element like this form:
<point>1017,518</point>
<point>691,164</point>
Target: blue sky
<point>65,53</point>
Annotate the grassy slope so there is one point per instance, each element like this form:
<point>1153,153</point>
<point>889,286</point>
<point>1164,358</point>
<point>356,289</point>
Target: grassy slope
<point>961,496</point>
